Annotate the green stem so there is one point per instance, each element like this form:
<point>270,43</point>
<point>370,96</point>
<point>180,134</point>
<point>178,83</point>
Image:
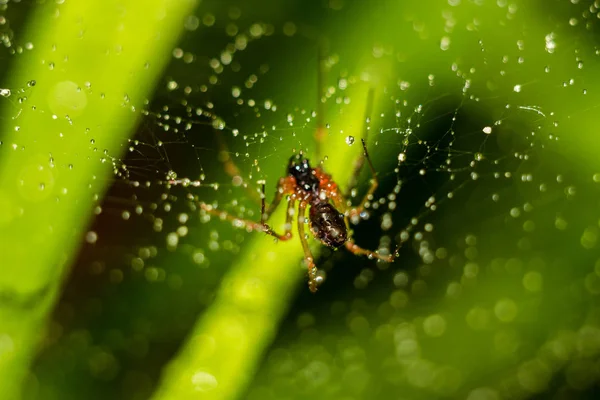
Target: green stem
<point>91,65</point>
<point>221,355</point>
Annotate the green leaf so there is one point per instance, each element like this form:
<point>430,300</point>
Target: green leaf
<point>89,70</point>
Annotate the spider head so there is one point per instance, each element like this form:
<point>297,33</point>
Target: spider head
<point>299,165</point>
<point>299,168</point>
<point>327,224</point>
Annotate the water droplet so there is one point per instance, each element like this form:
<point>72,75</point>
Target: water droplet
<point>171,175</point>
<point>506,310</point>
<point>218,124</point>
<point>172,85</point>
<point>445,43</point>
<point>91,237</point>
<point>349,140</point>
<point>434,325</point>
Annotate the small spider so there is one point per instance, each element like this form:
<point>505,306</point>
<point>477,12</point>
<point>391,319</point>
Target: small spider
<point>328,213</point>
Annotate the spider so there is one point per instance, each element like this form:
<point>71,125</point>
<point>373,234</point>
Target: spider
<point>312,188</point>
<point>328,211</point>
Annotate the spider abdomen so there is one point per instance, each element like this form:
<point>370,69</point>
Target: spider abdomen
<point>327,224</point>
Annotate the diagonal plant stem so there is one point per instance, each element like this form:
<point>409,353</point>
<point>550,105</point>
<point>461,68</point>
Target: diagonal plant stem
<point>90,66</point>
<point>224,349</point>
<point>227,343</point>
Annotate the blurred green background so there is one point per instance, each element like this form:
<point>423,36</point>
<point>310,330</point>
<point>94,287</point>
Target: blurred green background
<point>114,284</point>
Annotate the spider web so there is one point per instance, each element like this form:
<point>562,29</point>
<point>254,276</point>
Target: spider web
<point>494,293</point>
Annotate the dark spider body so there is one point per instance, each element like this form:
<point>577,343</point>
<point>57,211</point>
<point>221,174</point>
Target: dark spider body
<point>326,222</point>
<point>328,214</point>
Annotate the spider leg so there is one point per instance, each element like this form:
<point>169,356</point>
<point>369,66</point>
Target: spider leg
<point>285,186</point>
<point>360,160</point>
<point>253,225</point>
<point>374,184</point>
<point>355,249</point>
<point>280,191</point>
<point>308,257</point>
<point>264,216</point>
<point>262,226</point>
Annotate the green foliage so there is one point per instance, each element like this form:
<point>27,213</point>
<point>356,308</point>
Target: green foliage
<point>88,65</point>
<point>483,135</point>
